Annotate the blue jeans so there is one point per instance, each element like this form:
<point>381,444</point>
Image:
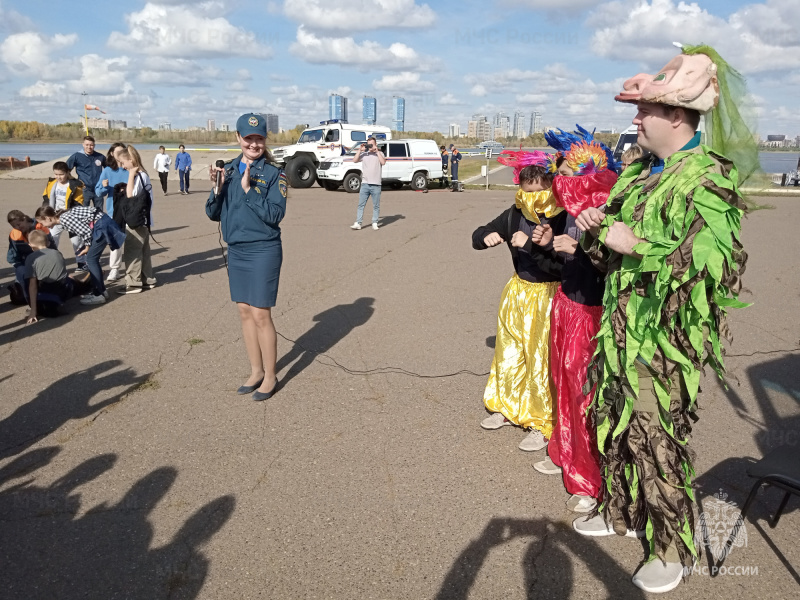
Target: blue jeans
<point>367,190</point>
<point>183,177</point>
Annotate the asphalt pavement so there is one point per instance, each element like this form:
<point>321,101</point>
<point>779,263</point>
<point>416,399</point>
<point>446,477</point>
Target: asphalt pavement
<point>130,468</point>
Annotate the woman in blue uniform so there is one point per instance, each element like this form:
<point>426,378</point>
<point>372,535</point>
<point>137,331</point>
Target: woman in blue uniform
<point>249,199</point>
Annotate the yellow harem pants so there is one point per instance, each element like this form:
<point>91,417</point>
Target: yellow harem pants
<point>519,383</point>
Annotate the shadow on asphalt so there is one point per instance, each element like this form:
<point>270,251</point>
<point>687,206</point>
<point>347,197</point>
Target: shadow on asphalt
<point>491,341</point>
<point>182,267</point>
<point>775,378</point>
<point>547,566</point>
<point>62,401</point>
<point>332,326</point>
<point>164,230</point>
<point>389,219</point>
<point>64,549</point>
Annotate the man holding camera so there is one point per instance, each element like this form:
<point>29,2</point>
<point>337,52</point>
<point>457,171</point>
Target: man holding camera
<point>371,160</point>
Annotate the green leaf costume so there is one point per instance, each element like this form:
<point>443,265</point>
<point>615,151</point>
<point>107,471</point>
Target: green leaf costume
<point>664,315</point>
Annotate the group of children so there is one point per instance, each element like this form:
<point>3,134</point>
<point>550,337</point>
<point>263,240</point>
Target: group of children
<point>550,310</point>
<point>124,226</point>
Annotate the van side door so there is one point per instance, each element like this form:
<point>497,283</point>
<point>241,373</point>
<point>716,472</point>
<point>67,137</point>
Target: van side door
<point>398,162</point>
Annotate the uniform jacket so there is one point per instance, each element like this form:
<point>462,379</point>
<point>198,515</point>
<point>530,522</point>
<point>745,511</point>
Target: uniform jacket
<point>251,217</point>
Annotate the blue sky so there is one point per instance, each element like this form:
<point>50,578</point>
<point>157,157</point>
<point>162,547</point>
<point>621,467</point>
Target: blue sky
<point>186,62</point>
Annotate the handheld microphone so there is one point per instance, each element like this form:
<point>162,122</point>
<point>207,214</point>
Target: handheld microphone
<point>220,164</point>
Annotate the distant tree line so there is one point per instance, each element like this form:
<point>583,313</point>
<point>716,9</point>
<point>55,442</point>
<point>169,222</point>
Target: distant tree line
<point>33,131</point>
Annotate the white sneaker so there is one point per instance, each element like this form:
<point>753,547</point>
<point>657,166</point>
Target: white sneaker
<point>581,504</point>
<point>355,225</point>
<point>657,577</point>
<point>495,421</point>
<point>375,226</point>
<point>114,275</point>
<point>93,300</point>
<point>547,466</point>
<point>596,527</point>
<point>533,442</point>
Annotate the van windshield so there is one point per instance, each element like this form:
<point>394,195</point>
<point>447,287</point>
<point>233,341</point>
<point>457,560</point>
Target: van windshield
<point>312,135</point>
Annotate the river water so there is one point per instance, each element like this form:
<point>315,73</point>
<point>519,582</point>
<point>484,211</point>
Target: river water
<point>771,162</point>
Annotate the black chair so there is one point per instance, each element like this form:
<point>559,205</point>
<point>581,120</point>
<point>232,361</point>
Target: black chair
<point>779,468</point>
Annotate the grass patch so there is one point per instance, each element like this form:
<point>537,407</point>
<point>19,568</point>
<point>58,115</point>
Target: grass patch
<point>194,341</point>
<point>151,383</point>
<point>470,167</point>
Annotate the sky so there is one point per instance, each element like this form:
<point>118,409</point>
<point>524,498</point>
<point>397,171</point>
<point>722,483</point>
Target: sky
<point>186,62</point>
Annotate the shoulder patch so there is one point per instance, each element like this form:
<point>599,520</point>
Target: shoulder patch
<point>282,184</point>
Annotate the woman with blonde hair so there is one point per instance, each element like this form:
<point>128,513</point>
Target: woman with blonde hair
<point>133,203</point>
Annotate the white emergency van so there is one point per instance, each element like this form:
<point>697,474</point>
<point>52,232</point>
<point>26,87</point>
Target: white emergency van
<point>411,161</point>
<point>316,144</point>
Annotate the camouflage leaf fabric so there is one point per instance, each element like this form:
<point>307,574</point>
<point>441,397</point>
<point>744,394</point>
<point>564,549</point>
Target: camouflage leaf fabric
<point>664,315</point>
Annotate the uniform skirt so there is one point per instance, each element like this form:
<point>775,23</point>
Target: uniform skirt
<point>253,273</point>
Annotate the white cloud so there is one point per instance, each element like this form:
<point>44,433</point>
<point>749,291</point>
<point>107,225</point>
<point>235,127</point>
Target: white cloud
<point>185,31</point>
<point>478,90</point>
<point>100,75</point>
<point>30,53</point>
<point>14,22</point>
<point>531,98</point>
<point>450,100</point>
<point>564,7</point>
<point>757,38</point>
<point>366,55</point>
<point>345,16</point>
<point>406,82</point>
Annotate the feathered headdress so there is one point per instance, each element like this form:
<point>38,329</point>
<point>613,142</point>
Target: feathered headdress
<point>563,140</point>
<point>519,159</point>
<point>585,158</point>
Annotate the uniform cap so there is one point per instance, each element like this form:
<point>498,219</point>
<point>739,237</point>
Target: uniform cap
<point>250,124</point>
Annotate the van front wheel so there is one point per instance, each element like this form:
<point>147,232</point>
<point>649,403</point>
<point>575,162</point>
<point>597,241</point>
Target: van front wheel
<point>301,172</point>
<point>419,181</point>
<point>352,183</point>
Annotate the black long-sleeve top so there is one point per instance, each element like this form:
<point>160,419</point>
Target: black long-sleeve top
<point>537,264</point>
<point>580,281</point>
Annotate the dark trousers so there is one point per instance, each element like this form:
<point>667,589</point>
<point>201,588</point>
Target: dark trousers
<point>90,199</point>
<point>163,178</point>
<point>454,172</point>
<point>93,262</point>
<point>183,176</point>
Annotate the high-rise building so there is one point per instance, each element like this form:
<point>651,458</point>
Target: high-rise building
<point>272,123</point>
<point>337,107</point>
<point>369,111</point>
<point>224,127</point>
<point>98,123</point>
<point>455,130</point>
<point>399,113</point>
<point>116,124</point>
<point>479,127</point>
<point>501,125</point>
<point>536,123</point>
<point>518,131</point>
<point>211,125</point>
<point>165,126</point>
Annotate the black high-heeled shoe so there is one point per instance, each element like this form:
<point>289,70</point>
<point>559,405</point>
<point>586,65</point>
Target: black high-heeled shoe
<point>246,389</point>
<point>260,396</point>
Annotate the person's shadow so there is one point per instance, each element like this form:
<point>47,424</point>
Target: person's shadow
<point>773,381</point>
<point>546,567</point>
<point>66,399</point>
<point>389,219</point>
<point>332,326</point>
<point>106,551</point>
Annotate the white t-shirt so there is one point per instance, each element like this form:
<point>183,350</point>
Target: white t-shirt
<point>61,195</point>
<point>161,163</point>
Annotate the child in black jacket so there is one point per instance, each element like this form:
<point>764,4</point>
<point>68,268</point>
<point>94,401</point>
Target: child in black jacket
<point>519,391</point>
